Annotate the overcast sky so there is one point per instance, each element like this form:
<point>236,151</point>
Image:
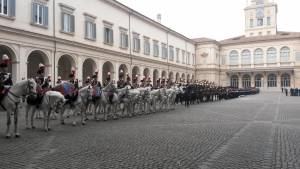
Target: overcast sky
<point>216,19</point>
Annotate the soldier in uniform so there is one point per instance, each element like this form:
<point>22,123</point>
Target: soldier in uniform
<point>41,74</point>
<point>163,83</point>
<point>121,83</point>
<point>88,81</point>
<point>59,81</point>
<point>135,81</point>
<point>5,77</point>
<point>128,80</point>
<point>72,75</point>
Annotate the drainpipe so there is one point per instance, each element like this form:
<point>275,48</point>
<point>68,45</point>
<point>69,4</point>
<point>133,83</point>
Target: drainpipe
<point>55,45</point>
<point>129,42</point>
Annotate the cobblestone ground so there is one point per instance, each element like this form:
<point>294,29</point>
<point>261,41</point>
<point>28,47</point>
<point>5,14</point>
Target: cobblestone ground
<point>261,131</point>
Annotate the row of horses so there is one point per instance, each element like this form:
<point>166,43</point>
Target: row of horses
<point>109,102</point>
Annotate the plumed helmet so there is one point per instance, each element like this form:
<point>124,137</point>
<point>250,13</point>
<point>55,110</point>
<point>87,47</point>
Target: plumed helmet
<point>121,71</point>
<point>59,78</point>
<point>5,57</point>
<point>73,69</point>
<point>108,73</point>
<point>41,65</point>
<point>88,77</point>
<point>49,75</point>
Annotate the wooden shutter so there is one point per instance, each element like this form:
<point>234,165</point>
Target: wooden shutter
<point>94,31</point>
<point>86,29</point>
<point>46,16</point>
<point>12,8</point>
<point>33,12</point>
<point>72,22</point>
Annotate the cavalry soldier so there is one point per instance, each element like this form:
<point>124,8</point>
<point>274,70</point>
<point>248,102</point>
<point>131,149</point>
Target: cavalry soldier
<point>40,74</point>
<point>72,75</point>
<point>5,77</point>
<point>148,82</point>
<point>88,81</point>
<point>121,83</point>
<point>108,79</point>
<point>47,82</point>
<point>128,80</point>
<point>163,83</point>
<point>135,81</point>
<point>95,78</point>
<point>142,84</point>
<point>59,81</point>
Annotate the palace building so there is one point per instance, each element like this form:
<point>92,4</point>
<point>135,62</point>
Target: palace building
<point>108,36</point>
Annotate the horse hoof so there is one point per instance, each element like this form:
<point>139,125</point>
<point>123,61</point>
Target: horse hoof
<point>63,123</point>
<point>49,129</point>
<point>83,124</point>
<point>18,135</point>
<point>33,127</point>
<point>7,136</point>
<point>46,130</point>
<point>74,123</point>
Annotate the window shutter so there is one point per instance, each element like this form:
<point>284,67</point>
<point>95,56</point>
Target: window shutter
<point>46,15</point>
<point>34,12</point>
<point>72,22</point>
<point>111,36</point>
<point>62,21</point>
<point>94,31</point>
<point>126,41</point>
<point>86,29</point>
<point>12,8</point>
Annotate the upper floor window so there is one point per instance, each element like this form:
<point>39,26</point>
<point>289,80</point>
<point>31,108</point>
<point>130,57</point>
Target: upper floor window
<point>164,51</point>
<point>4,7</point>
<point>271,55</point>
<point>183,57</point>
<point>136,42</point>
<point>39,14</point>
<point>171,53</point>
<point>285,54</point>
<point>177,55</point>
<point>272,80</point>
<point>268,21</point>
<point>146,46</point>
<point>67,19</point>
<point>123,38</point>
<point>8,7</point>
<point>251,23</point>
<point>258,56</point>
<point>188,58</point>
<point>260,22</point>
<point>108,33</point>
<point>155,48</point>
<point>234,58</point>
<point>246,57</point>
<point>90,27</point>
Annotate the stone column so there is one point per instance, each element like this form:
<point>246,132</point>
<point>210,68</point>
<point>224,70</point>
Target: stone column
<point>240,81</point>
<point>79,70</point>
<point>100,68</point>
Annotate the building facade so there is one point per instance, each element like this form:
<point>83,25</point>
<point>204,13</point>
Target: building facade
<point>108,36</point>
<point>264,57</point>
<point>90,35</point>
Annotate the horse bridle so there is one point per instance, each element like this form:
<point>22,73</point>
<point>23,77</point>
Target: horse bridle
<point>27,89</point>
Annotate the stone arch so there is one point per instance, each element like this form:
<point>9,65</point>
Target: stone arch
<point>171,76</point>
<point>123,70</point>
<point>12,68</point>
<point>89,67</point>
<point>107,68</point>
<point>33,60</point>
<point>155,76</point>
<point>65,64</point>
<point>135,72</point>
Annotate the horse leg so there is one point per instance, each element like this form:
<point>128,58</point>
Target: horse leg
<point>62,115</point>
<point>33,110</point>
<point>84,114</point>
<point>26,115</point>
<point>48,119</point>
<point>16,114</point>
<point>8,124</point>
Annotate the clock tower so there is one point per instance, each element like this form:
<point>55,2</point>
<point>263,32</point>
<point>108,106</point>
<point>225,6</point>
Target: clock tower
<point>261,18</point>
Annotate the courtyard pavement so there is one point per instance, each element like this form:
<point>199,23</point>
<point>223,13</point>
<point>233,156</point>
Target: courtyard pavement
<point>255,132</point>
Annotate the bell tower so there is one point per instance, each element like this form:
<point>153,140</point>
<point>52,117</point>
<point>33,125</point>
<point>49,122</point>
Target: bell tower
<point>261,18</point>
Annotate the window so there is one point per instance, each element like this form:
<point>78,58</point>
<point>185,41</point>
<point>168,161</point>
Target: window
<point>188,58</point>
<point>171,53</point>
<point>285,80</point>
<point>271,55</point>
<point>164,51</point>
<point>136,42</point>
<point>234,58</point>
<point>285,54</point>
<point>260,22</point>
<point>90,30</point>
<point>68,23</point>
<point>146,46</point>
<point>258,80</point>
<point>246,81</point>
<point>268,21</point>
<point>177,55</point>
<point>4,7</point>
<point>234,81</point>
<point>272,80</point>
<point>155,48</point>
<point>246,57</point>
<point>251,23</point>
<point>258,56</point>
<point>183,57</point>
<point>39,14</point>
<point>108,35</point>
<point>297,56</point>
<point>123,38</point>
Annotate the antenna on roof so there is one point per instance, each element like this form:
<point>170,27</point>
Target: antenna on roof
<point>158,17</point>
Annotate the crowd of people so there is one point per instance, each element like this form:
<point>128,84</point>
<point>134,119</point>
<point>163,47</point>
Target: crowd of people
<point>291,91</point>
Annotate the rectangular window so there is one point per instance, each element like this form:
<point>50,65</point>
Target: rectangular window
<point>155,49</point>
<point>108,35</point>
<point>136,42</point>
<point>183,57</point>
<point>164,51</point>
<point>123,38</point>
<point>90,30</point>
<point>68,23</point>
<point>171,53</point>
<point>177,55</point>
<point>251,23</point>
<point>260,22</point>
<point>146,46</point>
<point>4,7</point>
<point>269,21</point>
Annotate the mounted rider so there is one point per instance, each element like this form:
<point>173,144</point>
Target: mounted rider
<point>108,79</point>
<point>135,81</point>
<point>5,77</point>
<point>128,80</point>
<point>72,75</point>
<point>121,82</point>
<point>87,81</point>
<point>59,81</point>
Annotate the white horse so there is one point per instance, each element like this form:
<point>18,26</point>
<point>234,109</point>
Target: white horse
<point>12,100</point>
<point>109,101</point>
<point>52,100</point>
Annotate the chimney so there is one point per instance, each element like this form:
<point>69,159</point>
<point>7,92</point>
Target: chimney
<point>158,18</point>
